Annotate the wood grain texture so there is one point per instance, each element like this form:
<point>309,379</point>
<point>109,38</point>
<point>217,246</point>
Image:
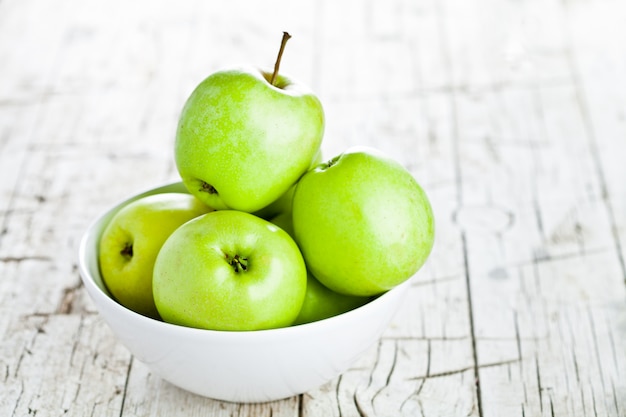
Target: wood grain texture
<point>511,114</point>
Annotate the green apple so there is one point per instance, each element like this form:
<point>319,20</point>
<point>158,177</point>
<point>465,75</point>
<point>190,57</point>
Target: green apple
<point>242,140</point>
<point>362,222</point>
<point>319,301</point>
<point>229,270</point>
<point>283,204</point>
<point>131,241</point>
<point>284,221</point>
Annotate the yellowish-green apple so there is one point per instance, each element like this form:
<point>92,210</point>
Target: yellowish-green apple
<point>131,241</point>
<point>229,270</point>
<point>319,302</point>
<point>362,222</point>
<point>245,136</point>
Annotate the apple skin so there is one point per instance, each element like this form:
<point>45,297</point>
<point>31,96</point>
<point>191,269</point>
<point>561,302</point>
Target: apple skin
<point>283,203</point>
<point>229,270</point>
<point>131,241</point>
<point>362,222</point>
<point>319,302</point>
<point>322,303</point>
<point>241,142</point>
<point>284,221</point>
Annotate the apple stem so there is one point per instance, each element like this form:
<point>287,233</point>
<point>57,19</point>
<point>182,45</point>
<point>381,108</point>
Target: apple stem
<point>239,263</point>
<point>286,37</point>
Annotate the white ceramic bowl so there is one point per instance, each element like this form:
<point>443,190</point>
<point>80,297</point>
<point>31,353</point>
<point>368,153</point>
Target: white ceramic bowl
<point>250,366</point>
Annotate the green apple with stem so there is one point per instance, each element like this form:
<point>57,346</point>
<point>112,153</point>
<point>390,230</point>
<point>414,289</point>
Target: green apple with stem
<point>131,241</point>
<point>362,222</point>
<point>229,270</point>
<point>245,136</point>
<point>319,302</point>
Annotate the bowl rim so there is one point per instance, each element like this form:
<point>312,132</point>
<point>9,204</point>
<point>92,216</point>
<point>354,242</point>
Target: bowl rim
<point>93,288</point>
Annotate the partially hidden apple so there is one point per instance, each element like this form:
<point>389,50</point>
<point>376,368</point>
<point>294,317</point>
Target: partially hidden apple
<point>320,302</point>
<point>362,222</point>
<point>283,204</point>
<point>229,270</point>
<point>245,136</point>
<point>131,241</point>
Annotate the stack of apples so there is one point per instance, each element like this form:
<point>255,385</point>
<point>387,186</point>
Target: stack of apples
<point>268,235</point>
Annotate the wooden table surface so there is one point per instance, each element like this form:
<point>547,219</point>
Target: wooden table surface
<point>510,113</point>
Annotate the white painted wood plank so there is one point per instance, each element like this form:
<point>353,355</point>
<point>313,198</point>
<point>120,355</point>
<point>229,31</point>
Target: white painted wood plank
<point>598,62</point>
<point>504,43</point>
<point>539,244</point>
<point>149,395</point>
<point>402,378</point>
<point>60,365</point>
